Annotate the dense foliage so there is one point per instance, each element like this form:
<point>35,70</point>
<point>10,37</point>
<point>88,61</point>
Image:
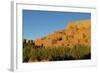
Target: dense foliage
<point>32,53</point>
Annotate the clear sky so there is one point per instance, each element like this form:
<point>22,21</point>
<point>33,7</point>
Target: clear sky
<point>37,24</point>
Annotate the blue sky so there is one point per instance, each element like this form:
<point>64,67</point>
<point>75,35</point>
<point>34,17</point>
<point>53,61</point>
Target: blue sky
<point>37,24</point>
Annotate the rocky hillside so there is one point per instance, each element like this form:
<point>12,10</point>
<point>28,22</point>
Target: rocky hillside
<point>75,33</point>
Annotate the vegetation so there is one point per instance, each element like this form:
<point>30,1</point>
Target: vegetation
<point>33,54</point>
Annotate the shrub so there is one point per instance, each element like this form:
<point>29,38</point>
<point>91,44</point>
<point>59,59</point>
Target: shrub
<point>59,53</point>
<point>79,51</point>
<point>26,54</point>
<point>27,51</point>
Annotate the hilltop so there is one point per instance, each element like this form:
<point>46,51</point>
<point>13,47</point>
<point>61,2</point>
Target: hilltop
<point>77,32</point>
